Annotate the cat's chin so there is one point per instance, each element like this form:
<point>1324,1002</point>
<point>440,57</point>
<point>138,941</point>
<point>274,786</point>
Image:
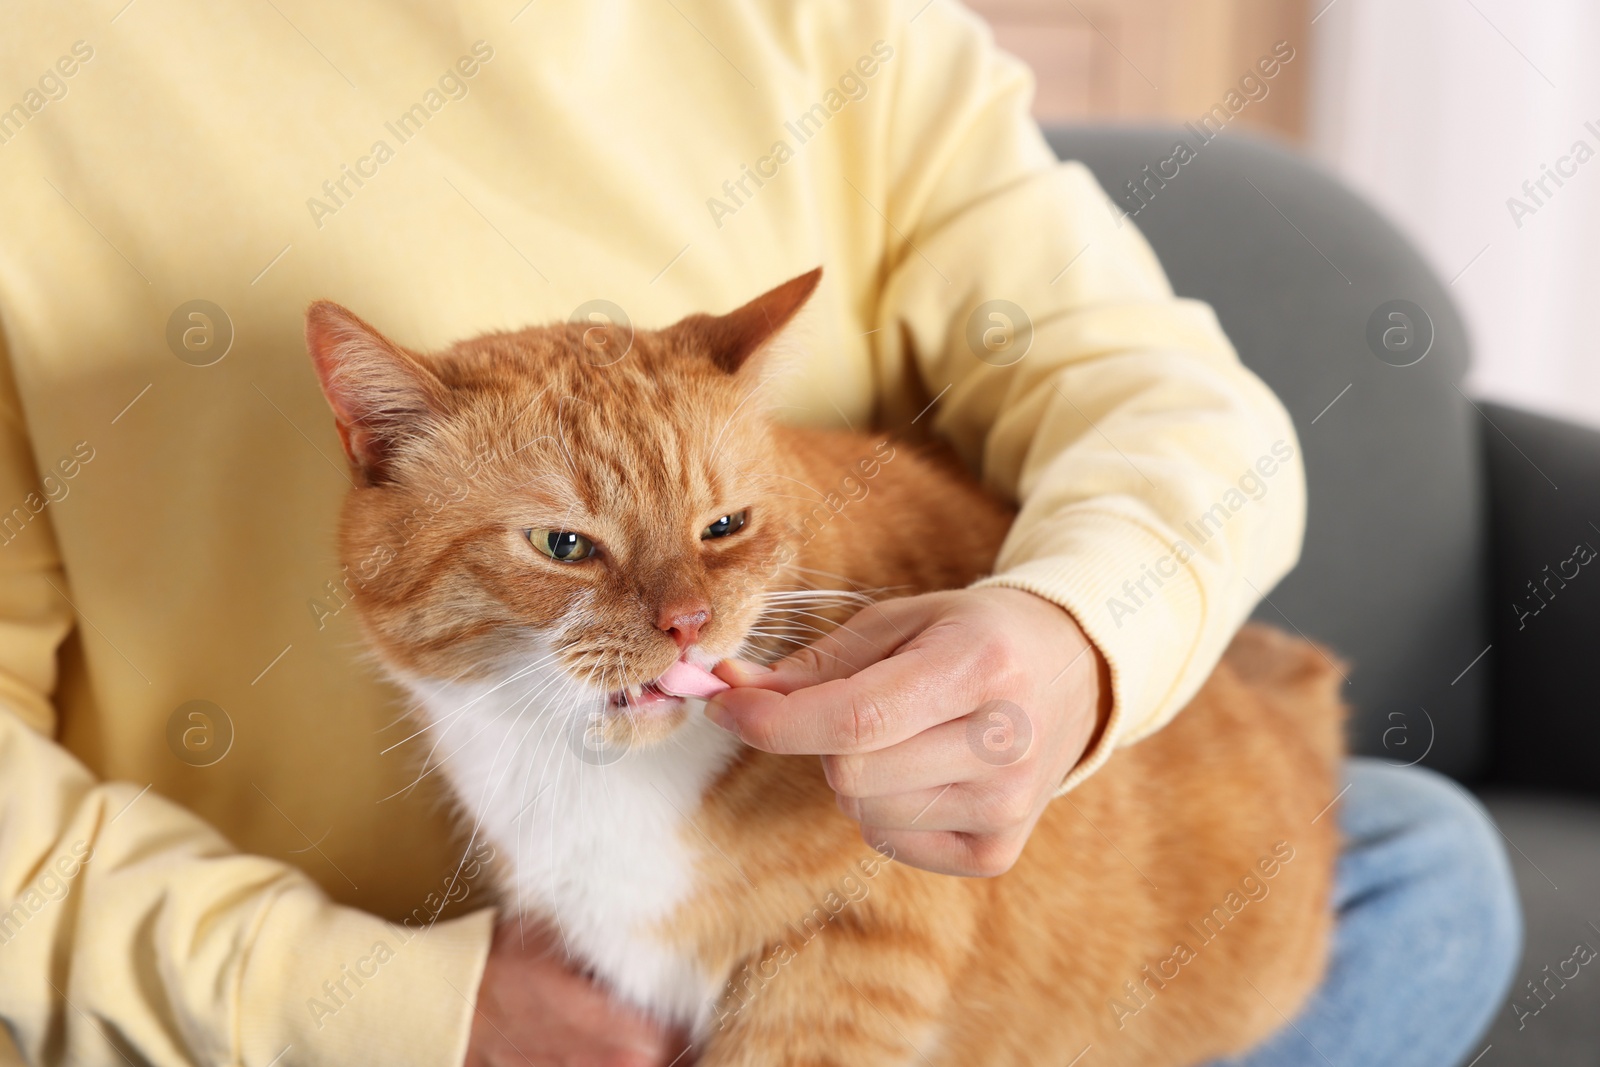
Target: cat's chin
<point>645,720</point>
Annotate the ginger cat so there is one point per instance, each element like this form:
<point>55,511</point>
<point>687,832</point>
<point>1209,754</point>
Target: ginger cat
<point>547,545</point>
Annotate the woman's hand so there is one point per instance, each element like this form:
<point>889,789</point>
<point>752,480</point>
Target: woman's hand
<point>533,1009</point>
<point>945,721</point>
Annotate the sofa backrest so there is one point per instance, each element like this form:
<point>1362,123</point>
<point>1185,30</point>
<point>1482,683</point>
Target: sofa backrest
<point>1307,279</point>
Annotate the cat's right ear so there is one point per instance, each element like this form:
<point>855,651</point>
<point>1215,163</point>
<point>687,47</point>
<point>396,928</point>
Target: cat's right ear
<point>379,393</point>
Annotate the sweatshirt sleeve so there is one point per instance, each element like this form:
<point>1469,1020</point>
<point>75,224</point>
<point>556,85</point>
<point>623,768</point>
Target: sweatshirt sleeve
<point>1160,483</point>
<point>132,931</point>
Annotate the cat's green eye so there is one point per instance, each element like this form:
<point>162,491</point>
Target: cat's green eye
<point>726,525</point>
<point>563,546</point>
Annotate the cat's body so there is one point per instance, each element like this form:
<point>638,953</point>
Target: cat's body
<point>1173,908</point>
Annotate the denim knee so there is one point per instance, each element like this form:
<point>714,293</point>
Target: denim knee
<point>1428,930</point>
<point>1420,826</point>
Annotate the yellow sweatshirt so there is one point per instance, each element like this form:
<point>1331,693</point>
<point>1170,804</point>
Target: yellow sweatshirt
<point>208,850</point>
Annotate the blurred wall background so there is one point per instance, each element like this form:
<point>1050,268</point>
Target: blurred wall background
<point>1441,110</point>
<point>1474,124</point>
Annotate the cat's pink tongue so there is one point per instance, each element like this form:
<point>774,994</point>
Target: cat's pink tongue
<point>684,679</point>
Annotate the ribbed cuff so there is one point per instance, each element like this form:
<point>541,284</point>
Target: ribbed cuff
<point>1140,606</point>
<point>331,985</point>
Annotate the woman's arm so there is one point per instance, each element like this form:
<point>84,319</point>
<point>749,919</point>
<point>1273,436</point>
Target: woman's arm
<point>1160,481</point>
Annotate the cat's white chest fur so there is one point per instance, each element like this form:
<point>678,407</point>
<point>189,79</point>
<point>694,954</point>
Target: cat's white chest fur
<point>598,842</point>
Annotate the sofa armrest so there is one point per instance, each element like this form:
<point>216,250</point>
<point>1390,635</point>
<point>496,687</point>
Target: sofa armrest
<point>1544,504</point>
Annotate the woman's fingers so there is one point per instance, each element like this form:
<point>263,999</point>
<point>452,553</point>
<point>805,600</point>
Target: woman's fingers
<point>837,706</point>
<point>969,808</point>
<point>871,634</point>
<point>945,852</point>
<point>959,750</point>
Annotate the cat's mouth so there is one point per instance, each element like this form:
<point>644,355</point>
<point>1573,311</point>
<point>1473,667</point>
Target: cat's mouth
<point>682,680</point>
<point>647,696</point>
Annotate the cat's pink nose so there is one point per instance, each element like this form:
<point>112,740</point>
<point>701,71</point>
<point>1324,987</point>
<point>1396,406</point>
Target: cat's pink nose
<point>682,621</point>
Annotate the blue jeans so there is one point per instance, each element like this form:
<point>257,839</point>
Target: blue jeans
<point>1429,930</point>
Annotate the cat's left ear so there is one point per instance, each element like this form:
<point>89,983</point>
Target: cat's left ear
<point>732,339</point>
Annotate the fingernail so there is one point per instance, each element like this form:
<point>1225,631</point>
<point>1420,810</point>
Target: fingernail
<point>744,666</point>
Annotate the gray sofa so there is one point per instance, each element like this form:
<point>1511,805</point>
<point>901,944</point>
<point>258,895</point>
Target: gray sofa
<point>1441,557</point>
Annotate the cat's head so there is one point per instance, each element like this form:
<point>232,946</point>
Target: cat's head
<point>599,502</point>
